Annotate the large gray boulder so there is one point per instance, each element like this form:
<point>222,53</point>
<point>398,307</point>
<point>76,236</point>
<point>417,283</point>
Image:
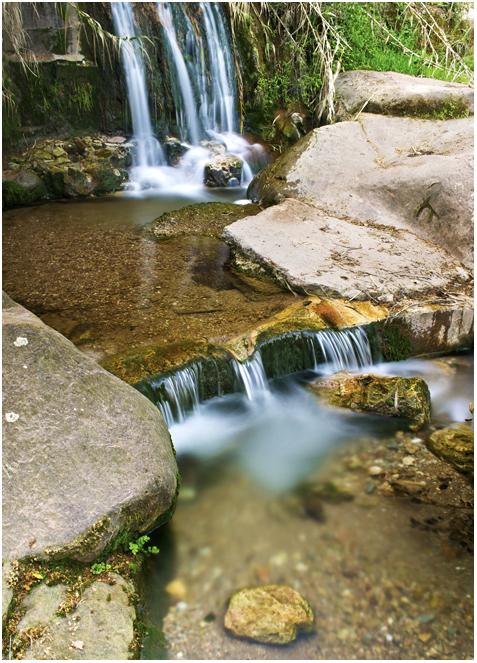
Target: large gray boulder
<point>400,172</point>
<point>317,253</point>
<point>389,93</point>
<point>84,455</point>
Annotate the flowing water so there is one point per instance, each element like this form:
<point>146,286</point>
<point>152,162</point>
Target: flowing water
<point>240,521</point>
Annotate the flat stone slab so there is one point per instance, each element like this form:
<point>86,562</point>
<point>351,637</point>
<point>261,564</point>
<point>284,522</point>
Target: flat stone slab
<point>389,93</point>
<point>84,454</point>
<point>100,628</point>
<point>407,173</point>
<point>320,254</point>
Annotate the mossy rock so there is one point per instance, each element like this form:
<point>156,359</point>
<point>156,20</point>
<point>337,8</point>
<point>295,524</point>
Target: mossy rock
<point>456,447</point>
<point>207,219</point>
<point>384,396</point>
<point>15,195</point>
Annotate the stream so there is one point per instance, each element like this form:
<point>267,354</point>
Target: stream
<point>388,575</point>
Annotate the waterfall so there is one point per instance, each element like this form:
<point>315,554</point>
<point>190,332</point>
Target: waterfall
<point>186,112</point>
<point>222,107</point>
<point>148,150</point>
<point>203,88</point>
<point>181,394</point>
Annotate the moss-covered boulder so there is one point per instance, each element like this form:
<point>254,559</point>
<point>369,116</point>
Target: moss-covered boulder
<point>456,447</point>
<point>272,614</point>
<point>20,187</point>
<point>390,93</point>
<point>385,396</point>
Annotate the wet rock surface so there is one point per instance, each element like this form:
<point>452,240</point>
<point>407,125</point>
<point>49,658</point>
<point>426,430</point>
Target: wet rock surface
<point>318,254</point>
<point>389,93</point>
<point>272,614</point>
<point>384,396</point>
<point>224,170</point>
<point>110,460</point>
<point>455,447</point>
<point>399,172</point>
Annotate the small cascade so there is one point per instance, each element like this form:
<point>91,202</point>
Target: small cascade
<point>148,149</point>
<point>252,376</point>
<point>348,349</point>
<point>186,112</point>
<point>222,107</point>
<point>203,86</point>
<point>180,394</point>
<point>325,351</point>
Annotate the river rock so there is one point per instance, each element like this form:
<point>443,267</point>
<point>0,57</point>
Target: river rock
<point>85,455</point>
<point>383,171</point>
<point>456,447</point>
<point>100,628</point>
<point>272,614</point>
<point>389,93</point>
<point>41,605</point>
<point>66,170</point>
<point>318,253</point>
<point>385,396</point>
<point>222,170</point>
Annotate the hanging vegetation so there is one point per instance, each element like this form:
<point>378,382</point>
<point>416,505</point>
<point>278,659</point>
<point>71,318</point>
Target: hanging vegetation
<point>306,45</point>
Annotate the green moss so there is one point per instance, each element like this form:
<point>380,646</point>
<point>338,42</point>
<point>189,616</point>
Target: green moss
<point>449,109</point>
<point>388,340</point>
<point>15,195</point>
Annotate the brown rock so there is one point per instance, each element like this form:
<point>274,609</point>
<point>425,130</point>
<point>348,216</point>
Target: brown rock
<point>272,614</point>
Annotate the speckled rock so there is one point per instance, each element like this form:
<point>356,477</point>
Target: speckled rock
<point>7,591</point>
<point>41,605</point>
<point>272,614</point>
<point>387,397</point>
<point>100,628</point>
<point>402,172</point>
<point>84,454</point>
<point>456,447</point>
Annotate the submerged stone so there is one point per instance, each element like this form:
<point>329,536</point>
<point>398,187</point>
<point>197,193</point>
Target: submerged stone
<point>456,447</point>
<point>385,396</point>
<point>272,614</point>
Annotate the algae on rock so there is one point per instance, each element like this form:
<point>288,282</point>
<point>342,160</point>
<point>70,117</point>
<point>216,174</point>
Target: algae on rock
<point>384,396</point>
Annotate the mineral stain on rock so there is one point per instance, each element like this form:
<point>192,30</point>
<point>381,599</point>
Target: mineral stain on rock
<point>272,614</point>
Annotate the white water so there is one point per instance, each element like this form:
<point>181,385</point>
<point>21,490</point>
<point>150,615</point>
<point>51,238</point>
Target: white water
<point>278,430</point>
<point>148,150</point>
<point>204,110</point>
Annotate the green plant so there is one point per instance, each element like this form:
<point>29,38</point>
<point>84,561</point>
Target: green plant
<point>97,569</point>
<point>138,548</point>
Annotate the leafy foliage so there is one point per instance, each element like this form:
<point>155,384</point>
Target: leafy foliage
<point>139,547</point>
